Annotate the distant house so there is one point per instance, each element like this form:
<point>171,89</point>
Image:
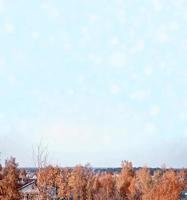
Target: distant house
<point>29,190</point>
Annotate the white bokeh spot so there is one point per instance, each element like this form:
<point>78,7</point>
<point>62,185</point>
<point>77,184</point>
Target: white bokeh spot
<point>115,89</point>
<point>9,28</point>
<point>155,110</point>
<point>35,35</point>
<point>139,95</point>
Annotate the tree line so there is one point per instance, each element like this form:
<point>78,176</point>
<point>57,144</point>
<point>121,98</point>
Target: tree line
<point>83,183</point>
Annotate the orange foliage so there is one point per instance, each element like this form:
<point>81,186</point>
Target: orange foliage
<point>9,181</point>
<point>83,183</point>
<point>167,188</point>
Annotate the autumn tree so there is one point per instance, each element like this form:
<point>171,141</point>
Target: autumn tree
<point>47,182</point>
<point>107,187</point>
<point>143,181</point>
<point>78,180</point>
<point>167,188</point>
<point>9,181</point>
<point>124,179</point>
<point>62,178</point>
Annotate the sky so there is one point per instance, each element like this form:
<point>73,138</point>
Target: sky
<point>96,81</point>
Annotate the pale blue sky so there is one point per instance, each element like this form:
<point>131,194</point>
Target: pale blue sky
<point>98,81</point>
